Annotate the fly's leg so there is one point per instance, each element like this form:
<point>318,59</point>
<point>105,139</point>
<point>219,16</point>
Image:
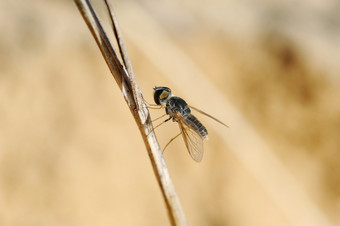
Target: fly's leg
<point>162,123</point>
<point>171,141</point>
<point>159,125</point>
<point>158,118</point>
<point>152,106</point>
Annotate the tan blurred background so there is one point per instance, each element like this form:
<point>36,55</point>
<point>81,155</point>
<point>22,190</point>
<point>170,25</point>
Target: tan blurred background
<point>71,154</point>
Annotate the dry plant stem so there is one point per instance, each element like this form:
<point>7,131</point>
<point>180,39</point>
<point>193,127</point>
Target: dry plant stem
<point>126,81</point>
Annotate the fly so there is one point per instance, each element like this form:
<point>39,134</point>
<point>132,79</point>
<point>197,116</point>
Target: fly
<point>192,130</point>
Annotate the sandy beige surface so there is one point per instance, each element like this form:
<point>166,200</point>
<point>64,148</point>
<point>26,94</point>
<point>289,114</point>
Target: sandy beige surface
<point>71,154</point>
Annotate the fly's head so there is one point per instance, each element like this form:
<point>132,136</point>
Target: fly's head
<point>161,95</point>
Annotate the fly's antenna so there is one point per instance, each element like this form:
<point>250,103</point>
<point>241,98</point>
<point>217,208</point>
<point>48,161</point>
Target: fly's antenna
<point>121,70</point>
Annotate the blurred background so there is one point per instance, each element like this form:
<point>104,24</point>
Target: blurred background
<point>71,154</point>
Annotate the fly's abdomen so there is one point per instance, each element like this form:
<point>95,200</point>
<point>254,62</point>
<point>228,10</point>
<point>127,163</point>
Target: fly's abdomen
<point>196,125</point>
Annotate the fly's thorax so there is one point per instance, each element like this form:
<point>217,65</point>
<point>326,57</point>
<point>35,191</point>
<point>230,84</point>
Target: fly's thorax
<point>178,105</point>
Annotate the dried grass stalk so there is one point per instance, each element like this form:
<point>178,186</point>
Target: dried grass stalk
<point>125,79</point>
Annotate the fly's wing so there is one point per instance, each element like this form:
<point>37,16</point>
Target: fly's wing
<point>192,139</point>
<point>206,114</point>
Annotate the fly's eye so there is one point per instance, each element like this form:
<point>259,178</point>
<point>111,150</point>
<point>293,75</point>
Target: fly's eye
<point>164,95</point>
<point>161,94</point>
